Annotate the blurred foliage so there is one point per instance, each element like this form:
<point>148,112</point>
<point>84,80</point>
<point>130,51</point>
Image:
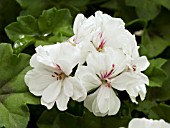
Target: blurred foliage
<point>25,24</point>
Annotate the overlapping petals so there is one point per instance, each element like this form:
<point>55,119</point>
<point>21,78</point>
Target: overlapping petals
<point>50,76</point>
<point>107,59</point>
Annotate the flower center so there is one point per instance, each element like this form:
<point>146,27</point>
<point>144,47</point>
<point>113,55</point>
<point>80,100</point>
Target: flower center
<point>133,68</point>
<point>105,78</point>
<point>60,74</point>
<point>101,46</point>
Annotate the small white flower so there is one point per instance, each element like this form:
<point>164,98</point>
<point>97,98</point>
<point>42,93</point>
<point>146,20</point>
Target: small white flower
<point>101,71</point>
<point>148,123</point>
<point>134,67</point>
<point>98,32</point>
<point>50,76</point>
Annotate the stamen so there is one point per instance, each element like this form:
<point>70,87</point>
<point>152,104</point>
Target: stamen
<point>56,73</point>
<point>111,71</point>
<point>134,67</point>
<point>105,79</point>
<point>101,45</point>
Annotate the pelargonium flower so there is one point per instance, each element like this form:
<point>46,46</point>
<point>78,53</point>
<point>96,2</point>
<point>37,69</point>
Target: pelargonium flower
<point>99,32</point>
<point>135,66</point>
<point>148,123</point>
<point>100,73</point>
<point>51,75</point>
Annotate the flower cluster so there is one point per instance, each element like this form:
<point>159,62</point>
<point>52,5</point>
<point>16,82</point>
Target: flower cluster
<point>101,58</point>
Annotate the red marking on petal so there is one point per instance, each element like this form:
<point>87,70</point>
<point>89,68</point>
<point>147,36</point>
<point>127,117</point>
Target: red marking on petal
<point>108,85</point>
<point>101,45</point>
<point>111,71</point>
<point>58,67</point>
<point>101,75</point>
<point>100,34</point>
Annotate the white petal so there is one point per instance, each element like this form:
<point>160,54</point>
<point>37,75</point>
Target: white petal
<point>91,104</point>
<point>143,78</point>
<point>88,78</point>
<point>33,61</point>
<point>103,99</point>
<point>142,63</point>
<point>62,101</point>
<point>148,123</point>
<point>122,81</point>
<point>89,100</point>
<point>79,92</point>
<point>114,103</point>
<point>43,56</point>
<point>68,87</point>
<point>37,81</point>
<point>51,93</point>
<point>77,22</point>
<point>142,91</point>
<point>97,61</point>
<point>68,53</point>
<point>48,105</point>
<point>95,109</point>
<point>65,66</point>
<point>119,60</point>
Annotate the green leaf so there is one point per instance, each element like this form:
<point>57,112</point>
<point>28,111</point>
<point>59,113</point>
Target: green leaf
<point>26,26</point>
<point>164,3</point>
<point>8,14</point>
<point>54,117</point>
<point>145,106</point>
<point>14,94</point>
<point>152,45</point>
<point>33,7</point>
<point>53,21</point>
<point>51,27</point>
<point>121,10</point>
<point>145,9</point>
<point>155,73</point>
<point>155,38</point>
<point>163,112</point>
<point>161,94</point>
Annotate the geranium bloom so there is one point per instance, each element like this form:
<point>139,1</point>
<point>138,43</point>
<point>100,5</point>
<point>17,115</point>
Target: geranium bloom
<point>50,76</point>
<point>100,73</point>
<point>136,64</point>
<point>148,123</point>
<point>99,32</point>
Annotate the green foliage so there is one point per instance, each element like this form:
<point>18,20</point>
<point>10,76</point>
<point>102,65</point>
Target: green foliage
<point>145,9</point>
<point>51,27</point>
<point>53,118</point>
<point>36,9</point>
<point>155,73</point>
<point>29,23</point>
<point>14,94</point>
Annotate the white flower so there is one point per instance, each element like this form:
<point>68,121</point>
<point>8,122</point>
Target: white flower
<point>148,123</point>
<point>135,66</point>
<point>101,71</point>
<point>98,32</point>
<point>50,76</point>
